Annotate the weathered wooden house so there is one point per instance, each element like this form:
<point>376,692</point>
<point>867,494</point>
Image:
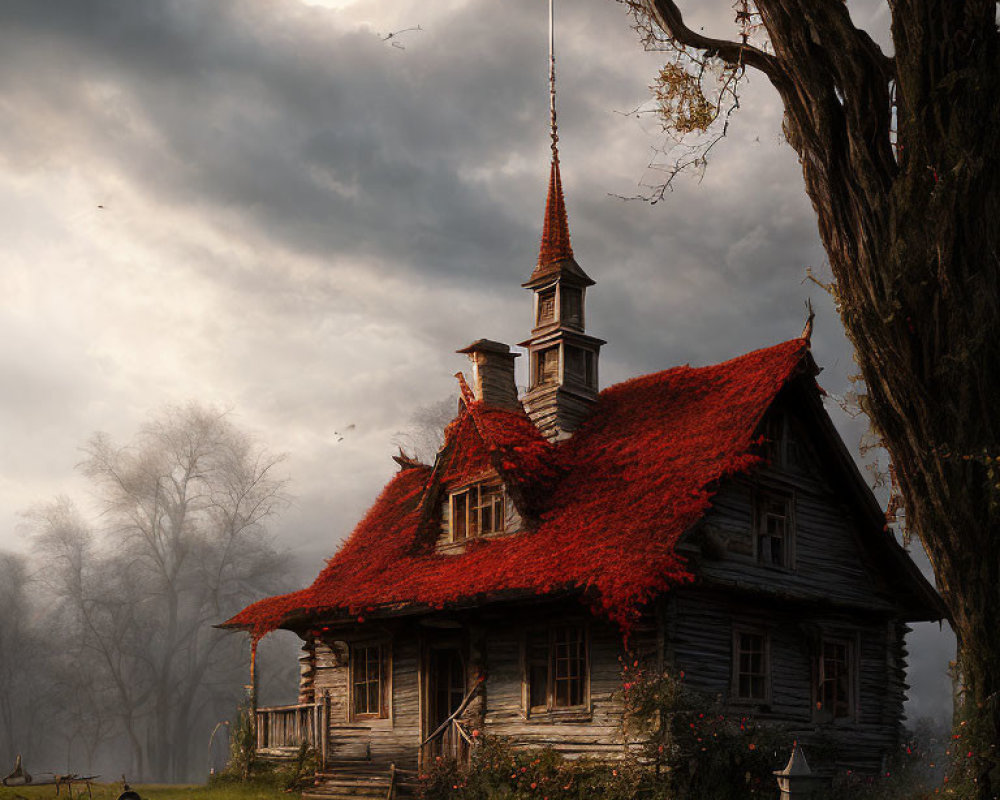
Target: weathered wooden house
<point>711,514</point>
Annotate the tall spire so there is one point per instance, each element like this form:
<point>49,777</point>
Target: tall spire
<point>555,230</point>
<point>555,252</point>
<point>555,245</point>
<point>562,357</point>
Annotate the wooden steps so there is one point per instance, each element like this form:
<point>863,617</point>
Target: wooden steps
<point>352,779</point>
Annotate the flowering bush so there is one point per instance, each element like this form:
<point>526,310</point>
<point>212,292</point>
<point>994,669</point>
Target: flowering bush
<point>703,751</point>
<point>501,771</point>
<point>691,749</point>
<point>696,747</point>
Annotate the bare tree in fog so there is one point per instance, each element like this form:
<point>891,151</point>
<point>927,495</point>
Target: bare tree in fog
<point>101,668</point>
<point>23,662</point>
<point>425,434</point>
<point>182,545</point>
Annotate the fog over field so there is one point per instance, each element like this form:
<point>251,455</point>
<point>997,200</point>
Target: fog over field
<point>275,207</point>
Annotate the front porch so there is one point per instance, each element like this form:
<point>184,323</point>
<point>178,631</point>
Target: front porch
<point>389,697</point>
<point>345,767</point>
<point>281,731</point>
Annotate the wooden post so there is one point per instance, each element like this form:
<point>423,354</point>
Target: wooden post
<point>324,730</point>
<point>252,696</point>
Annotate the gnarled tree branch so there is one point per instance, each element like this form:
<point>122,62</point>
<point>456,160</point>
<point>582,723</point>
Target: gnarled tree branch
<point>669,18</point>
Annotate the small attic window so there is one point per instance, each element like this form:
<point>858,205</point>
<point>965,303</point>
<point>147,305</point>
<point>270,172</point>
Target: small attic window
<point>782,448</point>
<point>546,307</point>
<point>774,434</point>
<point>477,510</point>
<point>774,528</point>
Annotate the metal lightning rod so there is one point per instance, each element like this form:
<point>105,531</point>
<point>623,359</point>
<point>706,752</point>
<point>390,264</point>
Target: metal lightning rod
<point>552,80</point>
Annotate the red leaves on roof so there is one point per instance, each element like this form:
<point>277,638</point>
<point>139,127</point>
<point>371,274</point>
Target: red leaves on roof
<point>612,500</point>
<point>555,245</point>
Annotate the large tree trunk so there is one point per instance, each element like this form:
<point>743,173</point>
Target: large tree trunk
<point>912,231</point>
<point>914,244</point>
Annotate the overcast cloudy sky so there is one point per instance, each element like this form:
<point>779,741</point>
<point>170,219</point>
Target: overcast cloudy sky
<point>266,205</point>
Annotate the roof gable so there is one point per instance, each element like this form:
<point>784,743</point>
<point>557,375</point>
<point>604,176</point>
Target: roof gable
<point>893,567</point>
<point>483,439</point>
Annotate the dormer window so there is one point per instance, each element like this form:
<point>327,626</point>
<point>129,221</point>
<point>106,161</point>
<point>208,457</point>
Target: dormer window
<point>477,510</point>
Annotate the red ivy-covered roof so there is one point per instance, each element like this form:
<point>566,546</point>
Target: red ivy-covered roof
<point>608,504</point>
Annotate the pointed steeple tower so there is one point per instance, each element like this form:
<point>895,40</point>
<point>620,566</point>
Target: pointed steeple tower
<point>562,358</point>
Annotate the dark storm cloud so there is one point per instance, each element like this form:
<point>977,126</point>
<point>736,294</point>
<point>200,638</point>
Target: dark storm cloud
<point>328,140</point>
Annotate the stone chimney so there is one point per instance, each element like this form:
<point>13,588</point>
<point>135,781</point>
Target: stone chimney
<point>493,373</point>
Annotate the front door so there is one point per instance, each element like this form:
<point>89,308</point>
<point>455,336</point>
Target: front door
<point>445,691</point>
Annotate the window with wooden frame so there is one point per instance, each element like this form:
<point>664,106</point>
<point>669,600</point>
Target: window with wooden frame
<point>368,681</point>
<point>477,510</point>
<point>556,669</point>
<point>835,680</point>
<point>751,666</point>
<point>547,366</point>
<point>774,528</point>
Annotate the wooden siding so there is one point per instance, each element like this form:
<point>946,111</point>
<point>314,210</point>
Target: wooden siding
<point>829,561</point>
<point>593,731</point>
<point>692,630</point>
<point>493,649</point>
<point>330,678</point>
<point>700,642</point>
<point>392,739</point>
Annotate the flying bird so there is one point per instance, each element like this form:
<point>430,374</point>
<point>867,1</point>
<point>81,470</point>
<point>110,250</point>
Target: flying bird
<point>392,37</point>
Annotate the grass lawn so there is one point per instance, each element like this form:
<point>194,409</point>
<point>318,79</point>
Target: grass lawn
<point>110,791</point>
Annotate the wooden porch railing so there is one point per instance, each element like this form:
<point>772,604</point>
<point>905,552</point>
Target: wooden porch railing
<point>289,727</point>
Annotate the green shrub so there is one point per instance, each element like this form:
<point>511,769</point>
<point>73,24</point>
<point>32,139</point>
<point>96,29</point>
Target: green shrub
<point>284,776</point>
<point>242,743</point>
